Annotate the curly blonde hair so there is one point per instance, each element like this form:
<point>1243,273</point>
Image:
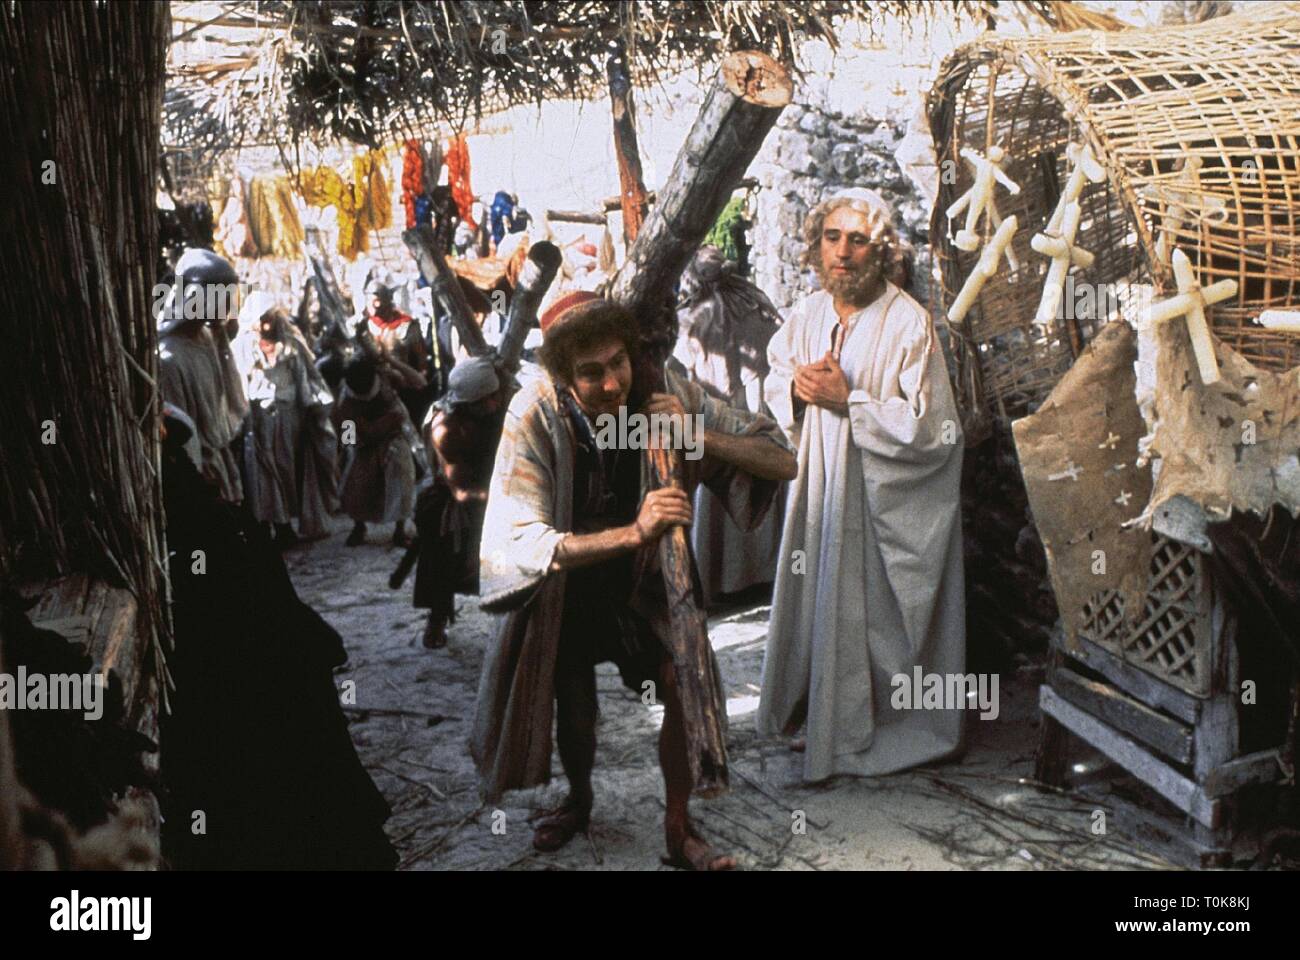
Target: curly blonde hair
<point>898,253</point>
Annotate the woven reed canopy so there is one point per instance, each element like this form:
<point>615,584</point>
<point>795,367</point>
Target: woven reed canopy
<point>1198,131</point>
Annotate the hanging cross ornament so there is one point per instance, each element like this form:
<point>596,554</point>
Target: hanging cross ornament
<point>1191,301</point>
<point>1180,200</point>
<point>979,198</point>
<point>1110,441</point>
<point>1060,247</point>
<point>1123,498</point>
<point>1057,239</point>
<point>983,269</point>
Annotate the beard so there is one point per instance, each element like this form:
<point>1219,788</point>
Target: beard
<point>858,288</point>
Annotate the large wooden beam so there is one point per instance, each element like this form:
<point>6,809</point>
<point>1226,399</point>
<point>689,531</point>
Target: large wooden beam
<point>445,287</point>
<point>739,110</point>
<point>632,195</point>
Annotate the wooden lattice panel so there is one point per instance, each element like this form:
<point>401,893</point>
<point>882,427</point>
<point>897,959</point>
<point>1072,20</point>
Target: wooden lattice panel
<point>1171,641</point>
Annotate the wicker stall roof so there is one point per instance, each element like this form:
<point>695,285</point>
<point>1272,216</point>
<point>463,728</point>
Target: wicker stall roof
<point>1226,92</point>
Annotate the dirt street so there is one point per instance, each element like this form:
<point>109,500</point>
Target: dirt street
<point>414,708</point>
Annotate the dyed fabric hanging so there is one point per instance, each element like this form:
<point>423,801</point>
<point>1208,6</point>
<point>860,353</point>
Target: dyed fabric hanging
<point>502,208</point>
<point>458,178</point>
<point>233,232</point>
<point>274,218</point>
<point>412,179</point>
<point>374,202</point>
<point>363,205</point>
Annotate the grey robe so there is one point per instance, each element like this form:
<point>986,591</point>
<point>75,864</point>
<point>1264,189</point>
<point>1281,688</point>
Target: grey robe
<point>290,447</point>
<point>729,559</point>
<point>529,509</point>
<point>876,513</point>
<point>197,374</point>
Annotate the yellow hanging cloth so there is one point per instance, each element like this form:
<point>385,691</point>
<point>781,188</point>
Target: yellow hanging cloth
<point>273,217</point>
<point>363,204</point>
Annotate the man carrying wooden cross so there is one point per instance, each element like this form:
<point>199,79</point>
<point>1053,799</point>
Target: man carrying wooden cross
<point>869,587</point>
<point>569,549</point>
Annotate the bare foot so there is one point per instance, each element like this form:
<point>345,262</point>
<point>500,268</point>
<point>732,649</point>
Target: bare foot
<point>557,829</point>
<point>692,852</point>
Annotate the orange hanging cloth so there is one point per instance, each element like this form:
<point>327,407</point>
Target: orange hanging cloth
<point>412,179</point>
<point>458,177</point>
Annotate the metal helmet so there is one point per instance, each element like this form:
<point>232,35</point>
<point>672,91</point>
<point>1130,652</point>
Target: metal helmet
<point>206,289</point>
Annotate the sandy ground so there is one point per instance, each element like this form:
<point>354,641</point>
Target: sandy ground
<point>971,814</point>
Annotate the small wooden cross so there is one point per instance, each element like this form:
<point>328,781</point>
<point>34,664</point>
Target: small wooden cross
<point>1191,301</point>
<point>985,268</point>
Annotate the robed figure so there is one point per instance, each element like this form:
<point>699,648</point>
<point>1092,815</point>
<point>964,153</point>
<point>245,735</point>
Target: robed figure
<point>869,586</point>
<point>725,324</point>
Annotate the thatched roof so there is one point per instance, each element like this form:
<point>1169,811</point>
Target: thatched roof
<point>357,70</point>
<point>1209,112</point>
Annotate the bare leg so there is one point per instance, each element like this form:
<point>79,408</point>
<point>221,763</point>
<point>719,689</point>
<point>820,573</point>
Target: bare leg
<point>575,735</point>
<point>685,846</point>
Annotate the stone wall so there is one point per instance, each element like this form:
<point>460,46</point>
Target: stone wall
<point>810,156</point>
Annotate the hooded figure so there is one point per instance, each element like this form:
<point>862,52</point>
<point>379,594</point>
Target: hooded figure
<point>725,323</point>
<point>290,448</point>
<point>196,371</point>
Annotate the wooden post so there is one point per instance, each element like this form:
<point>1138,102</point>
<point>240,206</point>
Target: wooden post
<point>739,110</point>
<point>446,287</point>
<point>535,279</point>
<point>631,189</point>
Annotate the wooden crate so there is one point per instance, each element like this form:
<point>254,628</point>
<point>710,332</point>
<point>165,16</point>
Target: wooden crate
<point>1161,702</point>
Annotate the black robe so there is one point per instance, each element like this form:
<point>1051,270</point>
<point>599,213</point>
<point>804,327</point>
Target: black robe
<point>257,740</point>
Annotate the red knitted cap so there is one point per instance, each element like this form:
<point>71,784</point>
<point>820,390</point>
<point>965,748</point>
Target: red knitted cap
<point>564,306</point>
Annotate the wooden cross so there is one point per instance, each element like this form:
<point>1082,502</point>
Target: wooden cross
<point>739,109</point>
<point>1191,301</point>
<point>1060,247</point>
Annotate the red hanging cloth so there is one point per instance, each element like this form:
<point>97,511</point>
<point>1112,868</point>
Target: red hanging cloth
<point>457,160</point>
<point>412,179</point>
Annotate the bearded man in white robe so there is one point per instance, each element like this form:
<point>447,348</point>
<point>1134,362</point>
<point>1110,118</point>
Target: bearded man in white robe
<point>869,587</point>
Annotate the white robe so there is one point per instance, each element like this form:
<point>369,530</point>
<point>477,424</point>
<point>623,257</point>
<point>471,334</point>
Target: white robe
<point>876,511</point>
